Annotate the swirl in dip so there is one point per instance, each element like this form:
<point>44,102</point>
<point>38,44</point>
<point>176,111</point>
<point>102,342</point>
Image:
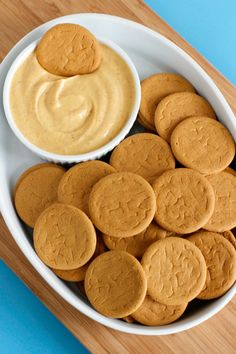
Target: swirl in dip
<point>73,115</point>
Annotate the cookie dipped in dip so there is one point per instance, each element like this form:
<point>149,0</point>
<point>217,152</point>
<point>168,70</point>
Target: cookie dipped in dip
<point>72,115</point>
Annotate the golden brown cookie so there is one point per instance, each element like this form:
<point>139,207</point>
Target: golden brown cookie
<point>174,234</point>
<point>153,313</point>
<point>145,124</point>
<point>100,246</point>
<point>230,170</point>
<point>175,270</point>
<point>30,169</point>
<point>64,237</point>
<point>72,275</point>
<point>122,204</point>
<point>220,257</point>
<point>78,181</point>
<point>136,245</point>
<point>115,284</point>
<point>155,88</point>
<point>146,154</point>
<point>78,274</point>
<point>230,237</point>
<point>185,200</point>
<point>175,108</point>
<point>224,216</point>
<point>35,190</point>
<point>68,49</point>
<point>203,144</point>
<point>128,319</point>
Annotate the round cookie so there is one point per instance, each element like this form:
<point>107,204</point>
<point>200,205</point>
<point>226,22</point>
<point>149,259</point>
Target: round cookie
<point>136,245</point>
<point>185,200</point>
<point>68,49</point>
<point>78,274</point>
<point>230,237</point>
<point>203,144</point>
<point>64,237</point>
<point>145,124</point>
<point>35,190</point>
<point>220,257</point>
<point>72,275</point>
<point>115,284</point>
<point>145,154</point>
<point>31,169</point>
<point>153,313</point>
<point>175,108</point>
<point>224,216</point>
<point>78,181</point>
<point>175,270</point>
<point>128,319</point>
<point>122,204</point>
<point>155,88</point>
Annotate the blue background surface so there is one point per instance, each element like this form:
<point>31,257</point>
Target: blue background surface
<point>26,326</point>
<point>208,25</point>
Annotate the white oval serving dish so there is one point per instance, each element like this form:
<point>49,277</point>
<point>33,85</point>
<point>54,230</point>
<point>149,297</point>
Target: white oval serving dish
<point>150,52</point>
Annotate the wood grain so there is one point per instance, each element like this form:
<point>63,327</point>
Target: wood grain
<point>217,335</point>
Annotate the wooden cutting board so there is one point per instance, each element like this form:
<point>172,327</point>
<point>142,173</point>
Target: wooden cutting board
<point>217,335</point>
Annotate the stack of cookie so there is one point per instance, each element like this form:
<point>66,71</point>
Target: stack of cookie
<point>144,236</point>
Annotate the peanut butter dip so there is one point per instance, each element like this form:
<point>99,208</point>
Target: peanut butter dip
<point>72,115</point>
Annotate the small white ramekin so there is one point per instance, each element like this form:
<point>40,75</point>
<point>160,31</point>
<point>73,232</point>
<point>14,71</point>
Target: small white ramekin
<point>58,158</point>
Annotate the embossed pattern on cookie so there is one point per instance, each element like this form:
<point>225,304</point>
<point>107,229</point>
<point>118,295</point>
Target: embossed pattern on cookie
<point>137,244</point>
<point>115,284</point>
<point>175,270</point>
<point>176,107</point>
<point>68,49</point>
<point>64,237</point>
<point>36,189</point>
<point>185,200</point>
<point>145,154</point>
<point>203,144</point>
<point>153,313</point>
<point>78,274</point>
<point>31,169</point>
<point>155,88</point>
<point>220,257</point>
<point>224,216</point>
<point>122,204</point>
<point>77,183</point>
